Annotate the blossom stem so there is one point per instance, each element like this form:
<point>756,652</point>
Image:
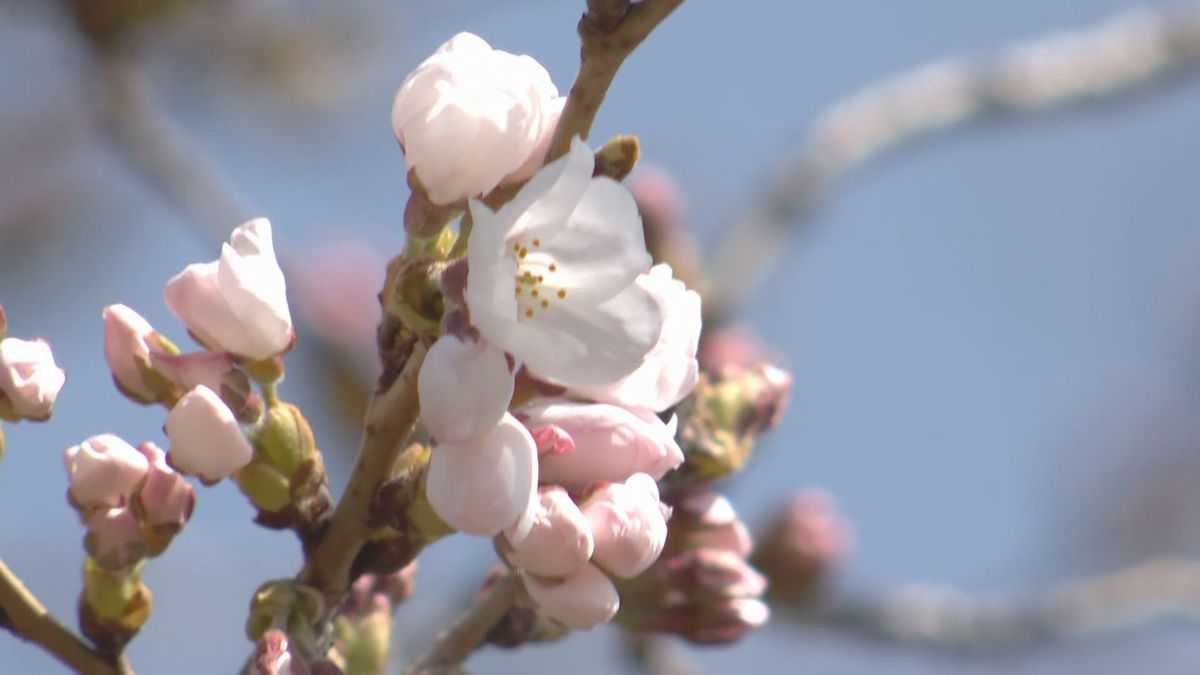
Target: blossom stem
<point>21,613</point>
<point>468,631</point>
<point>390,418</point>
<point>606,42</point>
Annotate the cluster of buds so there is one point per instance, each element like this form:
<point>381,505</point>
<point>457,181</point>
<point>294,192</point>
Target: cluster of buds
<point>236,308</point>
<point>559,346</point>
<point>739,396</point>
<point>702,588</point>
<point>362,627</point>
<point>133,504</point>
<point>29,378</point>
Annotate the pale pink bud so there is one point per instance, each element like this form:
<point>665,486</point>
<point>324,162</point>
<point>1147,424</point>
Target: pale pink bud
<point>611,443</point>
<point>703,518</point>
<point>559,541</point>
<point>581,601</point>
<point>216,370</point>
<point>103,470</point>
<point>465,387</point>
<point>806,540</point>
<point>628,523</point>
<point>166,499</point>
<point>470,117</point>
<point>273,656</point>
<point>29,378</point>
<point>126,348</point>
<point>238,303</point>
<point>206,440</point>
<point>114,538</point>
<point>707,575</point>
<point>718,623</point>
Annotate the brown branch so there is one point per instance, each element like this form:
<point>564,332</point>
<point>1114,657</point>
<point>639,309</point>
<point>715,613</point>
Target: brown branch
<point>468,631</point>
<point>944,618</point>
<point>21,613</point>
<point>1095,64</point>
<point>608,32</point>
<point>391,416</point>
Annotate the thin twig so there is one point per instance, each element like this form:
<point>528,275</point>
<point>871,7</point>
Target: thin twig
<point>1095,64</point>
<point>21,613</point>
<point>608,36</point>
<point>390,418</point>
<point>468,631</point>
<point>945,619</point>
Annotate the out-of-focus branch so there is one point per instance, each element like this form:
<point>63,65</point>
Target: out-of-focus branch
<point>943,618</point>
<point>1093,64</point>
<point>160,152</point>
<point>21,613</point>
<point>609,32</point>
<point>456,643</point>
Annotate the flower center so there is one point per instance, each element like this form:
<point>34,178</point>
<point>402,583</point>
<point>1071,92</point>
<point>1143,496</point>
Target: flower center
<point>534,267</point>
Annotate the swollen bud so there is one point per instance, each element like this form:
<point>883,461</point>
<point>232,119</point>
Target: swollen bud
<point>617,158</point>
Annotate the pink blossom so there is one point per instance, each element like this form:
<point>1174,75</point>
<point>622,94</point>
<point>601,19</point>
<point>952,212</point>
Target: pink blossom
<point>559,540</point>
<point>103,470</point>
<point>669,371</point>
<point>484,484</point>
<point>206,440</point>
<point>127,350</point>
<point>611,443</point>
<point>704,518</point>
<point>628,523</point>
<point>29,378</point>
<point>580,601</point>
<point>237,303</point>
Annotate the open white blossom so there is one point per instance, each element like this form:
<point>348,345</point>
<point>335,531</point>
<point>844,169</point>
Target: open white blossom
<point>670,371</point>
<point>470,117</point>
<point>236,304</point>
<point>552,276</point>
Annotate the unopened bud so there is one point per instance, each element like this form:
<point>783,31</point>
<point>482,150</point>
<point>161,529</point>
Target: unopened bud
<point>216,370</point>
<point>102,471</point>
<point>163,502</point>
<point>283,600</point>
<point>285,440</point>
<point>130,343</point>
<point>802,546</point>
<point>617,158</point>
<point>703,518</point>
<point>29,380</point>
<point>206,440</point>
<point>114,538</point>
<point>720,623</point>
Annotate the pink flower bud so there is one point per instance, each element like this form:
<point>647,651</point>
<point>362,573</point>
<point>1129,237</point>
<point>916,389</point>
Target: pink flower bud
<point>465,387</point>
<point>805,541</point>
<point>581,601</point>
<point>127,350</point>
<point>470,117</point>
<point>114,538</point>
<point>216,370</point>
<point>29,379</point>
<point>703,518</point>
<point>102,471</point>
<point>559,541</point>
<point>611,443</point>
<point>273,656</point>
<point>206,440</point>
<point>238,303</point>
<point>718,623</point>
<point>165,500</point>
<point>628,523</point>
<point>708,575</point>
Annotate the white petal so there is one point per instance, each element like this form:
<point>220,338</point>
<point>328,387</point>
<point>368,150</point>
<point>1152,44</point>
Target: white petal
<point>484,484</point>
<point>581,601</point>
<point>464,387</point>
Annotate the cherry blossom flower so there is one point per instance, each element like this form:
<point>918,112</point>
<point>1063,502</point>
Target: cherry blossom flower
<point>127,350</point>
<point>103,470</point>
<point>628,523</point>
<point>206,440</point>
<point>580,601</point>
<point>237,303</point>
<point>464,388</point>
<point>670,371</point>
<point>611,443</point>
<point>559,541</point>
<point>470,117</point>
<point>165,500</point>
<point>486,483</point>
<point>552,276</point>
<point>29,378</point>
<point>114,538</point>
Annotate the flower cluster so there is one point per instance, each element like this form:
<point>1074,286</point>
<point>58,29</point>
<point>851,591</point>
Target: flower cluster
<point>543,395</point>
<point>237,308</point>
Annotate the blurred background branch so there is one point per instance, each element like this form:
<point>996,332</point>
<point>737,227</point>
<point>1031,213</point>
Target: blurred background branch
<point>1096,64</point>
